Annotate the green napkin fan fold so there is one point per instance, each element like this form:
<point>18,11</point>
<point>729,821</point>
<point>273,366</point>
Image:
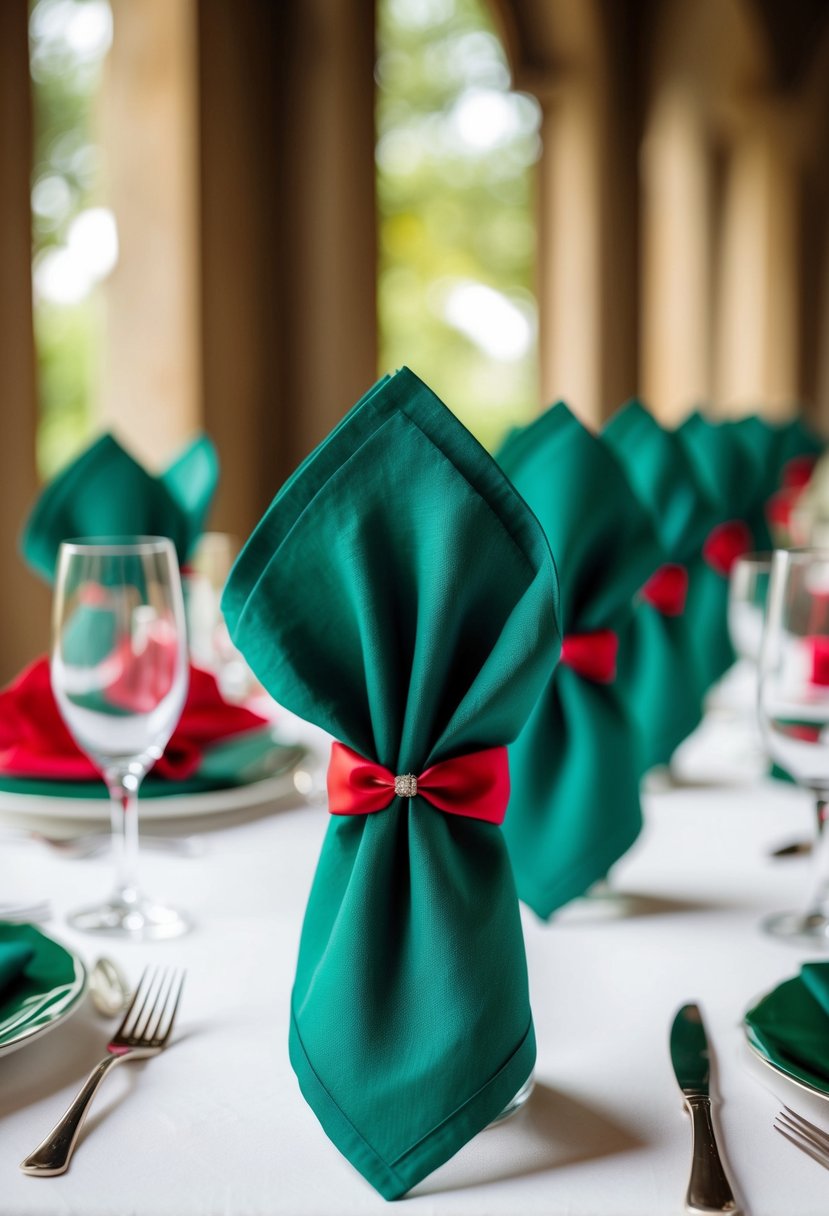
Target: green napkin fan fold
<point>399,593</point>
<point>106,492</point>
<point>575,767</point>
<point>658,664</point>
<point>790,1025</point>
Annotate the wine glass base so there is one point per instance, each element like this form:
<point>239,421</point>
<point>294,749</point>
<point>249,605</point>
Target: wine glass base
<point>515,1104</point>
<point>139,919</point>
<point>799,928</point>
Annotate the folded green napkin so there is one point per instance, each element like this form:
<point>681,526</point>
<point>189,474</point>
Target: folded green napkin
<point>730,461</point>
<point>106,492</point>
<point>773,445</point>
<point>576,765</point>
<point>14,955</point>
<point>790,1025</point>
<point>657,663</point>
<point>399,593</point>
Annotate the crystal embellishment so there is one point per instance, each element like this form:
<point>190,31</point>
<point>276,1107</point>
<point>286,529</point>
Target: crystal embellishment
<point>405,786</point>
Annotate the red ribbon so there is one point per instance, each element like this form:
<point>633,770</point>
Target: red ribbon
<point>780,506</point>
<point>797,472</point>
<point>592,655</point>
<point>819,648</point>
<point>667,589</point>
<point>725,544</point>
<point>475,786</point>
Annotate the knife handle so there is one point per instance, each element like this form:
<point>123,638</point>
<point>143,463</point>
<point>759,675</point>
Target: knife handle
<point>708,1189</point>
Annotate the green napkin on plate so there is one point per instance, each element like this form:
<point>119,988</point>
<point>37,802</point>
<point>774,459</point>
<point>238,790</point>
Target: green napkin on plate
<point>14,956</point>
<point>399,593</point>
<point>657,662</point>
<point>576,765</point>
<point>790,1026</point>
<point>106,492</point>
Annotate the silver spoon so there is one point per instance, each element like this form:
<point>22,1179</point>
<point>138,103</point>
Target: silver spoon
<point>109,988</point>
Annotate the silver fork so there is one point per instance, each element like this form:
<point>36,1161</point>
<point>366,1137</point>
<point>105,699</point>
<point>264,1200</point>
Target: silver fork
<point>803,1135</point>
<point>144,1032</point>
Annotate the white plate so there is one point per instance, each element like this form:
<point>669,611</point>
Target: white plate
<point>253,796</point>
<point>781,1072</point>
<point>42,1009</point>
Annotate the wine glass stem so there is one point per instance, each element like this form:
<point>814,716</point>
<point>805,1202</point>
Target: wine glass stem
<point>123,794</point>
<point>819,904</point>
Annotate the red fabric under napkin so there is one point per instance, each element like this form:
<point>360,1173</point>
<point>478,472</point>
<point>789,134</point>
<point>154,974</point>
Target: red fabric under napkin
<point>34,741</point>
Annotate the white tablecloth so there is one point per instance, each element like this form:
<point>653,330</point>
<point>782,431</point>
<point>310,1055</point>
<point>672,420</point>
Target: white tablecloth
<point>216,1126</point>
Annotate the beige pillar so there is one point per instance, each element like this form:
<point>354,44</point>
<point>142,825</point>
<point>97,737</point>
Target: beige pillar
<point>151,384</point>
<point>288,233</point>
<point>675,343</point>
<point>758,343</point>
<point>24,601</point>
<point>569,244</point>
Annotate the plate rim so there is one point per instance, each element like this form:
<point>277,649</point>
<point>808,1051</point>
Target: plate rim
<point>223,800</point>
<point>777,1068</point>
<point>28,1035</point>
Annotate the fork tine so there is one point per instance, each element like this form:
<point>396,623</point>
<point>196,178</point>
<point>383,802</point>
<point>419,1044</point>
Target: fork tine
<point>815,1133</point>
<point>804,1147</point>
<point>782,1123</point>
<point>166,982</point>
<point>151,1004</point>
<point>165,1026</point>
<point>138,1001</point>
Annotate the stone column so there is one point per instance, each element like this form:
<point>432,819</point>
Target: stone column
<point>151,393</point>
<point>24,601</point>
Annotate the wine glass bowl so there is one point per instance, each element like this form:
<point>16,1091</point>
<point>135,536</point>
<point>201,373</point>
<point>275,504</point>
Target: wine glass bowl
<point>793,705</point>
<point>119,673</point>
<point>747,595</point>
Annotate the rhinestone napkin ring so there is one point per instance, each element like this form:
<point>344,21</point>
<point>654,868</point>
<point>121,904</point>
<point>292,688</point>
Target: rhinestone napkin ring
<point>405,786</point>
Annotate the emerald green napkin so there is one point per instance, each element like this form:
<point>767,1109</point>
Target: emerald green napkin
<point>106,492</point>
<point>773,445</point>
<point>575,767</point>
<point>399,593</point>
<point>790,1026</point>
<point>14,955</point>
<point>657,663</point>
<point>730,461</point>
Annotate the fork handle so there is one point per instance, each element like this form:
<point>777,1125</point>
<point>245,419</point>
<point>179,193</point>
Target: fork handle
<point>53,1154</point>
<point>708,1189</point>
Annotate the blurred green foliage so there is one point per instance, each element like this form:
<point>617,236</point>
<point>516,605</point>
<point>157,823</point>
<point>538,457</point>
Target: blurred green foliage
<point>455,172</point>
<point>68,39</point>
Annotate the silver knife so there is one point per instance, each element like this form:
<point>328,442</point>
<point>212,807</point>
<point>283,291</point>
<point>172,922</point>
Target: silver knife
<point>708,1189</point>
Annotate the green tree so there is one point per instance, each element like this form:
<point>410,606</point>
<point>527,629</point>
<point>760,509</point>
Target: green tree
<point>456,152</point>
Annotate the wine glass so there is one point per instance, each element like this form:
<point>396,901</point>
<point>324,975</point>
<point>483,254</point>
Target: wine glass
<point>119,675</point>
<point>747,594</point>
<point>794,707</point>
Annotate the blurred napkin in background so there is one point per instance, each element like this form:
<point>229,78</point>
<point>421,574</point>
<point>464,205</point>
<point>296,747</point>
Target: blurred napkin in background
<point>785,454</point>
<point>38,754</point>
<point>575,767</point>
<point>399,593</point>
<point>106,492</point>
<point>657,664</point>
<point>731,464</point>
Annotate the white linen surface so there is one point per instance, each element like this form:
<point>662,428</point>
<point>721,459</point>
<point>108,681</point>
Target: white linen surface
<point>216,1126</point>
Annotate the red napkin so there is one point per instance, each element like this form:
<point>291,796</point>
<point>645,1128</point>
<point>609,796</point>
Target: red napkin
<point>35,742</point>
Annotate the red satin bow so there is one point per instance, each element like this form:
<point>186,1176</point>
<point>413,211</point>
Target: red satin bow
<point>797,472</point>
<point>725,543</point>
<point>667,589</point>
<point>475,786</point>
<point>592,655</point>
<point>819,648</point>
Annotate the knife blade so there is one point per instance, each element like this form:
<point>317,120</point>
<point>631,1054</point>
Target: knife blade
<point>708,1188</point>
